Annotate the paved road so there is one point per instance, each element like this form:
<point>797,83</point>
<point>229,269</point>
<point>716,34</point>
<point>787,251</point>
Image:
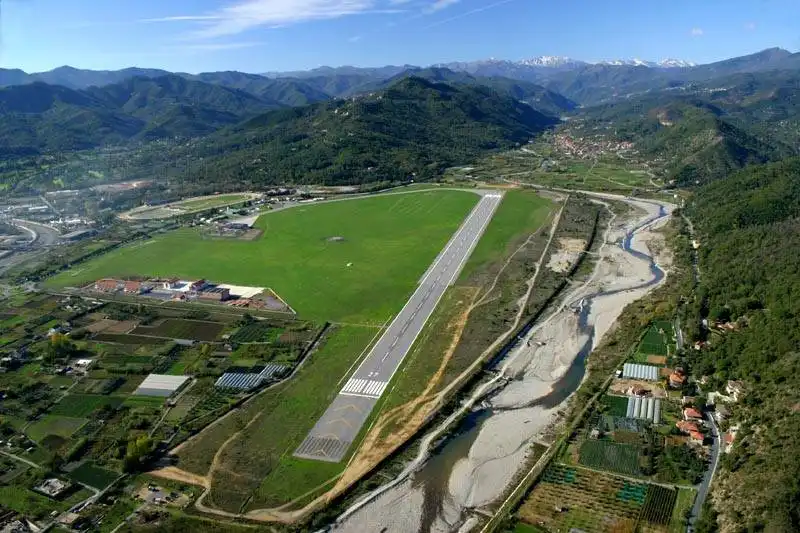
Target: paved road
<point>708,477</point>
<point>333,434</point>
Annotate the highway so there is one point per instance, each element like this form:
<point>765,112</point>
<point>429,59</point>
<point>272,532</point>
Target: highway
<point>331,437</point>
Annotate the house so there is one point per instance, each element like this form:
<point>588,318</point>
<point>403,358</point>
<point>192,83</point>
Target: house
<point>171,284</point>
<point>132,287</point>
<point>52,487</point>
<point>690,413</point>
<point>727,440</point>
<point>696,437</point>
<point>722,413</point>
<point>106,285</point>
<point>686,427</point>
<point>715,398</point>
<point>198,285</point>
<point>734,389</point>
<point>676,379</point>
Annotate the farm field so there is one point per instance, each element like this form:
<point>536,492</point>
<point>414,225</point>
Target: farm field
<point>615,405</point>
<point>611,456</point>
<point>569,498</point>
<point>352,261</point>
<point>94,476</point>
<point>62,426</point>
<point>658,340</point>
<point>82,405</point>
<point>257,466</point>
<point>176,328</point>
<point>257,332</point>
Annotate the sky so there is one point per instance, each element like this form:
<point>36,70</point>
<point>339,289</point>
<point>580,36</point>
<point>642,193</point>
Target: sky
<point>282,35</point>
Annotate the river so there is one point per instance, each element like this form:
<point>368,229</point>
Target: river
<point>457,480</point>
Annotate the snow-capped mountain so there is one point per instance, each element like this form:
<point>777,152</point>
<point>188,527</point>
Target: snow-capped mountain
<point>636,62</point>
<point>675,63</point>
<point>552,61</point>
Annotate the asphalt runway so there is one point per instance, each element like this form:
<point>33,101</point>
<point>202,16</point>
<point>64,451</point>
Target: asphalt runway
<point>331,437</point>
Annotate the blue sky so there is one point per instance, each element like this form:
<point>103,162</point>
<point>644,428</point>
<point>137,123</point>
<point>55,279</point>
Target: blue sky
<point>267,35</point>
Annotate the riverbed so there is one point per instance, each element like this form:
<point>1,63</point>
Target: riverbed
<point>453,482</point>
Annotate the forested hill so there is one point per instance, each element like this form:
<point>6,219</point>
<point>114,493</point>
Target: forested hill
<point>415,128</point>
<point>749,229</point>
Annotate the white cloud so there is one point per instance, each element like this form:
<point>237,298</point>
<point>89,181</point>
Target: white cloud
<point>245,15</point>
<point>750,26</point>
<point>438,5</point>
<point>354,39</point>
<point>696,32</point>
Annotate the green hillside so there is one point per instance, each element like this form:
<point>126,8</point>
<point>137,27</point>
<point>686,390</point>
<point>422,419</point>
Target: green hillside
<point>749,230</point>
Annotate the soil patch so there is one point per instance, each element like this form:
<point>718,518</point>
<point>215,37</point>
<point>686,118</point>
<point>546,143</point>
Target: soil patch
<point>568,252</point>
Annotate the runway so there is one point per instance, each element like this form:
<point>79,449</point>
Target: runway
<point>331,437</point>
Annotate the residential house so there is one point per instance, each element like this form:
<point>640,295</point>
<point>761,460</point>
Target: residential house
<point>676,379</point>
<point>722,413</point>
<point>691,429</point>
<point>690,413</point>
<point>734,389</point>
<point>715,398</point>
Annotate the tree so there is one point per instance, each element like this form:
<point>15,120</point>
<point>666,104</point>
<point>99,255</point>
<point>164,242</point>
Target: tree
<point>59,349</point>
<point>137,453</point>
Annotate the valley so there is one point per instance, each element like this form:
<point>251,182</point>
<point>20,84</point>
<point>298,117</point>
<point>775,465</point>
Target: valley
<point>542,295</point>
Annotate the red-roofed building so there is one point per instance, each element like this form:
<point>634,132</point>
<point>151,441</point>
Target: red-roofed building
<point>690,413</point>
<point>676,380</point>
<point>696,436</point>
<point>106,285</point>
<point>687,427</point>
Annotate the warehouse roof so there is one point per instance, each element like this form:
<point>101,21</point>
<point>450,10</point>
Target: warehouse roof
<point>160,385</point>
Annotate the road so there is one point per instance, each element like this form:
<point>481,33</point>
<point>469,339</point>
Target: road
<point>708,477</point>
<point>338,427</point>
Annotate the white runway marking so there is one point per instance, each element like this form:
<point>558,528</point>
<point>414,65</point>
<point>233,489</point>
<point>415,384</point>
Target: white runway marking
<point>364,387</point>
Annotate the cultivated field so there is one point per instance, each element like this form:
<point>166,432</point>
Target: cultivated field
<point>81,405</point>
<point>94,476</point>
<point>62,426</point>
<point>351,261</point>
<point>612,456</point>
<point>568,497</point>
<point>175,328</point>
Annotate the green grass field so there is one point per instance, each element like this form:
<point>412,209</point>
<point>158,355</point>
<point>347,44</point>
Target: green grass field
<point>261,456</point>
<point>63,426</point>
<point>519,214</point>
<point>93,475</point>
<point>80,405</point>
<point>388,243</point>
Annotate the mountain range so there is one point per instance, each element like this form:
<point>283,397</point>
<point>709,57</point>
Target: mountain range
<point>705,120</point>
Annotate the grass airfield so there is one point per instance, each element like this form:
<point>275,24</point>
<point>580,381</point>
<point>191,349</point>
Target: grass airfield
<point>352,261</point>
